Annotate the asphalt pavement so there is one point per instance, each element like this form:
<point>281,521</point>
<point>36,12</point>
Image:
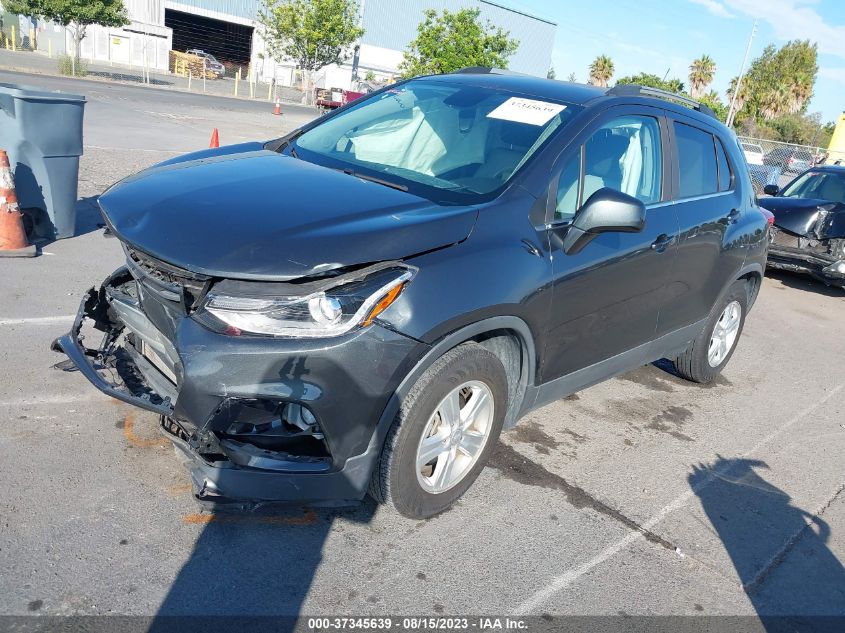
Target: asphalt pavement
<point>644,495</point>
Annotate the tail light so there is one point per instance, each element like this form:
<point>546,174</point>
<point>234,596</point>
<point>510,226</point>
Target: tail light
<point>770,217</point>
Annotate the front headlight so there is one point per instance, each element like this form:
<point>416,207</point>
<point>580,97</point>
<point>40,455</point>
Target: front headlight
<point>332,311</point>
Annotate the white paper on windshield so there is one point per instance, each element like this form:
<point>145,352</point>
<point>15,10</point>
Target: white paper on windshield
<point>528,111</point>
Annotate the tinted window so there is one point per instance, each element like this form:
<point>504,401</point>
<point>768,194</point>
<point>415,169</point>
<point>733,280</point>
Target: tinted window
<point>696,161</point>
<point>725,176</point>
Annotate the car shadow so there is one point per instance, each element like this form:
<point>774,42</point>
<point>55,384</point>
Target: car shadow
<point>780,551</point>
<point>252,571</point>
<point>804,282</point>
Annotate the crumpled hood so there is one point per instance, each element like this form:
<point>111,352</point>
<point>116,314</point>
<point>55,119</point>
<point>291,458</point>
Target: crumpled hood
<point>800,216</point>
<point>247,213</point>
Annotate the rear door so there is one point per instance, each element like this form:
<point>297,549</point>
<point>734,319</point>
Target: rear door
<point>709,204</point>
<point>606,298</point>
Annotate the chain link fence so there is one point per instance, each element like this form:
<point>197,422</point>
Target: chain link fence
<point>776,163</point>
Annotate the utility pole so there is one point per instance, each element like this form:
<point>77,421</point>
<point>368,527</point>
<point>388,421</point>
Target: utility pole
<point>731,113</point>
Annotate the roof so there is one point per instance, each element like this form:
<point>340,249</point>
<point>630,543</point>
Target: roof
<point>528,85</point>
<point>574,93</point>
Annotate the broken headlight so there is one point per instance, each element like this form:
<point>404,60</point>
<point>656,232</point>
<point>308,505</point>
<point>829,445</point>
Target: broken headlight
<point>330,312</point>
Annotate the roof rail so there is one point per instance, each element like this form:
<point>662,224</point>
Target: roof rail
<point>484,70</point>
<point>634,90</point>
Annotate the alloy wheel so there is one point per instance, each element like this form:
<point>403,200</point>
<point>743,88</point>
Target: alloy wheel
<point>455,436</point>
<point>724,334</point>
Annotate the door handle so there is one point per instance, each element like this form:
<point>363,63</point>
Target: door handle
<point>662,242</point>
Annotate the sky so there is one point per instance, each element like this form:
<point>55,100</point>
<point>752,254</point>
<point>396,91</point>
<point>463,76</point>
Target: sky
<point>654,36</point>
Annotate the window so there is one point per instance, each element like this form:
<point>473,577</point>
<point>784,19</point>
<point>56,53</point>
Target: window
<point>567,190</point>
<point>445,140</point>
<point>818,185</point>
<point>696,161</point>
<point>726,177</point>
<point>624,155</point>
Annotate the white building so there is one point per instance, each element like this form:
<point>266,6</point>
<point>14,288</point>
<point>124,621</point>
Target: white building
<point>228,30</point>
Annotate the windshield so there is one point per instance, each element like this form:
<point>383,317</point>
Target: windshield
<point>818,186</point>
<point>439,140</point>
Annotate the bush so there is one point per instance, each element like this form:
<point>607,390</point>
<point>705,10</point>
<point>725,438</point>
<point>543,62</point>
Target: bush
<point>66,66</point>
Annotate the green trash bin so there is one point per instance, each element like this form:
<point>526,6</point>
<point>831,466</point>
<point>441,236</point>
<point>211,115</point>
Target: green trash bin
<point>42,133</point>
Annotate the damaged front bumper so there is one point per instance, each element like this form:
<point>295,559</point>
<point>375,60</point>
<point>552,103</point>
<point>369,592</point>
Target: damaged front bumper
<point>791,253</point>
<point>258,419</point>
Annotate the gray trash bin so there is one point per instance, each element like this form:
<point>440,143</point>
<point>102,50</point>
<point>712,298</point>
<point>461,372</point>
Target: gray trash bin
<point>42,133</point>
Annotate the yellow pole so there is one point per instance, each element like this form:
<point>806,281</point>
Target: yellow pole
<point>50,48</point>
<point>14,39</point>
<point>237,79</point>
<point>270,91</point>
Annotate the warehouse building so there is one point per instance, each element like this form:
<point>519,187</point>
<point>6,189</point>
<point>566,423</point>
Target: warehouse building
<point>228,30</point>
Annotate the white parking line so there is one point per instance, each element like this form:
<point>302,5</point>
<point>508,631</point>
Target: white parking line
<point>39,320</point>
<point>561,582</point>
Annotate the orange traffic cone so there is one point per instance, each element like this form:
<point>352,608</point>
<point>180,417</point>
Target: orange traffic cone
<point>278,109</point>
<point>215,139</point>
<point>13,242</point>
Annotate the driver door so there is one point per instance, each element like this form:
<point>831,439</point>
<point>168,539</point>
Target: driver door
<point>606,298</point>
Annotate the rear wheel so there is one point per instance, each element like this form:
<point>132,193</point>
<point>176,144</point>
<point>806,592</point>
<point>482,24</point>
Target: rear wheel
<point>708,354</point>
<point>444,433</point>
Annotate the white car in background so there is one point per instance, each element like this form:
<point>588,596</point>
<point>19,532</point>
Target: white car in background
<point>753,153</point>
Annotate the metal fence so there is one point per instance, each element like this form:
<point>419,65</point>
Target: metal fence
<point>776,163</point>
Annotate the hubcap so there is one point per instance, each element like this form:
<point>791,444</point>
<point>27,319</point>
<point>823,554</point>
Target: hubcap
<point>724,334</point>
<point>454,437</point>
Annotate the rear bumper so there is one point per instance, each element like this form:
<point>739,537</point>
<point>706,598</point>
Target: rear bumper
<point>346,383</point>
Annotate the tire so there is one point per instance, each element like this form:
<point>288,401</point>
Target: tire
<point>696,363</point>
<point>415,491</point>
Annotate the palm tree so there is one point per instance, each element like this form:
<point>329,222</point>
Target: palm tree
<point>741,97</point>
<point>701,73</point>
<point>601,71</point>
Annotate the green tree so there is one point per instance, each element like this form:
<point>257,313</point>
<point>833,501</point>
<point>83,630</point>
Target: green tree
<point>551,74</point>
<point>779,82</point>
<point>653,81</point>
<point>601,71</point>
<point>572,78</point>
<point>711,100</point>
<point>701,73</point>
<point>75,15</point>
<point>449,41</point>
<point>312,33</point>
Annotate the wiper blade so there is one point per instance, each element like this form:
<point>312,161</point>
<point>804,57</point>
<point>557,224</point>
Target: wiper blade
<point>376,179</point>
<point>288,142</point>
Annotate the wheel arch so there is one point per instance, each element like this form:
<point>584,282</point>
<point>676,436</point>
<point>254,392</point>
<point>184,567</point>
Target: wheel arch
<point>508,337</point>
<point>752,274</point>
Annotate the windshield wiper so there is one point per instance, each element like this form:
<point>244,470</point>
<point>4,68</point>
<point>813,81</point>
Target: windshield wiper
<point>288,142</point>
<point>386,183</point>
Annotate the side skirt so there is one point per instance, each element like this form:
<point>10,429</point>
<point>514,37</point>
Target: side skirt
<point>668,345</point>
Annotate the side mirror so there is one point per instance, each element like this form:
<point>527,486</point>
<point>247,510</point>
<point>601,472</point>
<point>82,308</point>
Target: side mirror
<point>771,190</point>
<point>604,211</point>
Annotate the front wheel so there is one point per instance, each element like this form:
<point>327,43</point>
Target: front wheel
<point>443,434</point>
<point>708,354</point>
